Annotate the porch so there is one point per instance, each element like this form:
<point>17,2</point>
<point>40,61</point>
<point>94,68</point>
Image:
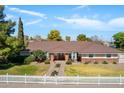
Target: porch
<point>63,56</point>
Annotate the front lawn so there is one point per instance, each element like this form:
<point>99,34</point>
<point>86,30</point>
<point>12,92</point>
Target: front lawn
<point>32,69</point>
<point>94,69</point>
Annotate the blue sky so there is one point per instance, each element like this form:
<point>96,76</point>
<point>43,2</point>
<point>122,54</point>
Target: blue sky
<point>70,20</point>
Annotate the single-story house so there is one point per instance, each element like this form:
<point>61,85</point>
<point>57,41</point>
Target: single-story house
<point>77,51</point>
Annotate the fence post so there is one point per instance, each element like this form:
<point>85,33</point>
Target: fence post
<point>44,79</point>
<point>99,77</point>
<point>77,79</point>
<point>120,80</point>
<point>7,78</point>
<point>56,79</point>
<point>25,79</point>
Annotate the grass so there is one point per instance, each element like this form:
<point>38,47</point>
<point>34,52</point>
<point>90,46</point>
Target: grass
<point>34,69</point>
<point>94,70</point>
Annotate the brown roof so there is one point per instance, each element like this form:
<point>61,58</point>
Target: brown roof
<point>72,46</point>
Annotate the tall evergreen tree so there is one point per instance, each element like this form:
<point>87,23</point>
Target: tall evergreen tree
<point>2,15</point>
<point>9,45</point>
<point>21,33</point>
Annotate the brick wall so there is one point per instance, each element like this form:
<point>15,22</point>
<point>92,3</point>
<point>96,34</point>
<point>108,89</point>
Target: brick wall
<point>66,57</point>
<point>51,57</point>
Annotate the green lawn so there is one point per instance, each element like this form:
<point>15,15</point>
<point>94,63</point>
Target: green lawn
<point>34,69</point>
<point>94,70</point>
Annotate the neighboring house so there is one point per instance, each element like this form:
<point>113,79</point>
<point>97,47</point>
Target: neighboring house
<point>77,50</point>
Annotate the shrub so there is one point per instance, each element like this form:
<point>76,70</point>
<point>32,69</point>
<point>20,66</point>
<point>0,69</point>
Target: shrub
<point>29,59</point>
<point>54,73</point>
<point>57,65</point>
<point>6,65</point>
<point>105,62</point>
<point>39,55</point>
<point>96,62</point>
<point>69,62</point>
<point>47,61</point>
<point>17,59</point>
<point>87,62</point>
<point>114,62</point>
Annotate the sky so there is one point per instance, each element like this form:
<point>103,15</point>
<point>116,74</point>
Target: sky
<point>71,20</point>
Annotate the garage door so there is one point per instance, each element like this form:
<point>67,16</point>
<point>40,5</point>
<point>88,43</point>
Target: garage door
<point>121,58</point>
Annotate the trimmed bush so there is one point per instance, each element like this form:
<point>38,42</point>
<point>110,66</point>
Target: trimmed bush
<point>54,73</point>
<point>17,59</point>
<point>29,59</point>
<point>96,62</point>
<point>6,65</point>
<point>39,55</point>
<point>87,62</point>
<point>47,61</point>
<point>69,62</point>
<point>105,62</point>
<point>57,65</point>
<point>114,62</point>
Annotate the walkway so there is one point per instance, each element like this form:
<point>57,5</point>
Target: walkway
<point>53,67</point>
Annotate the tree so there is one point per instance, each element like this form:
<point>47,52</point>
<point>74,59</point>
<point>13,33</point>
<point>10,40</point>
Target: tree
<point>21,33</point>
<point>54,35</point>
<point>9,45</point>
<point>81,37</point>
<point>68,38</point>
<point>6,26</point>
<point>96,39</point>
<point>119,40</point>
<point>2,15</point>
<point>37,37</point>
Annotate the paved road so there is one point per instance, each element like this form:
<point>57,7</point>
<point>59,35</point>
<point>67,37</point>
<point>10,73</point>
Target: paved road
<point>22,85</point>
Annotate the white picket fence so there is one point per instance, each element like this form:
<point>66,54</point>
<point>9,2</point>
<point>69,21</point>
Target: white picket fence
<point>61,79</point>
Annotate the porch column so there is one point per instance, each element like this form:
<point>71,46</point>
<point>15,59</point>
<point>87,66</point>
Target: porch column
<point>75,56</point>
<point>51,57</point>
<point>47,55</point>
<point>72,55</point>
<point>66,57</point>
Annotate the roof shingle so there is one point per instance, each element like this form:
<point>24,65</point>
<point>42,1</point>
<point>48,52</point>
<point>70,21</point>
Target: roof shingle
<point>70,46</point>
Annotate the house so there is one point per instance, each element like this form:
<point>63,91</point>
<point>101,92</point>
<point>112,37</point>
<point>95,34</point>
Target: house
<point>77,51</point>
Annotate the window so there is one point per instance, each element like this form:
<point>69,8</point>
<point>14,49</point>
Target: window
<point>84,55</point>
<point>99,55</point>
<point>114,55</point>
<point>108,55</point>
<point>90,55</point>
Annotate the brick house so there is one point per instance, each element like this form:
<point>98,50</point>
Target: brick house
<point>77,51</point>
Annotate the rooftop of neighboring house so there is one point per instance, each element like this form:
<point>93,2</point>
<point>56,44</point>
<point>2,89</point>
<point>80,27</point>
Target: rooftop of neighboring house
<point>70,46</point>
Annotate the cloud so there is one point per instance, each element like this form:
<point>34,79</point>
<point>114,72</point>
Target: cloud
<point>9,16</point>
<point>33,22</point>
<point>84,22</point>
<point>117,22</point>
<point>113,24</point>
<point>80,7</point>
<point>33,13</point>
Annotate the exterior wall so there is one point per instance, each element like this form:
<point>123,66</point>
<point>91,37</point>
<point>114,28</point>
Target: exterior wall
<point>99,59</point>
